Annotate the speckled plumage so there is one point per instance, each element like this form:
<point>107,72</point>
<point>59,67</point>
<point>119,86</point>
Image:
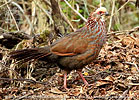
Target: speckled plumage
<point>73,51</point>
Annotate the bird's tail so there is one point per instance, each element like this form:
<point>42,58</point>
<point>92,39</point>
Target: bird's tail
<point>29,54</point>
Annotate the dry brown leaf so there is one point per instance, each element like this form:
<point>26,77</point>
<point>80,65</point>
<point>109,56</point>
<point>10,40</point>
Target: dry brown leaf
<point>120,36</point>
<point>130,78</point>
<point>128,40</point>
<point>56,90</point>
<point>113,92</point>
<point>103,82</point>
<point>121,86</point>
<point>109,78</point>
<point>133,69</point>
<point>126,66</point>
<point>137,42</point>
<point>120,66</point>
<point>76,93</point>
<point>103,91</point>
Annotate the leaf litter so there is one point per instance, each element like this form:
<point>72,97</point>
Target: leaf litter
<point>113,76</point>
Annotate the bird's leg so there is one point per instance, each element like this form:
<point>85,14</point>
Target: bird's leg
<point>81,75</point>
<point>65,80</point>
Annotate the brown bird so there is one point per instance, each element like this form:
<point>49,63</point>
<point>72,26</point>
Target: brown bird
<point>73,51</point>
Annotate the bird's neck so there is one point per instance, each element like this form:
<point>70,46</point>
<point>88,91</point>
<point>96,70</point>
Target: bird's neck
<point>96,27</point>
<point>94,22</point>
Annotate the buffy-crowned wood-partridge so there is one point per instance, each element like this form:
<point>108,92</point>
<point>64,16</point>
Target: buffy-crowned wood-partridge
<point>73,51</point>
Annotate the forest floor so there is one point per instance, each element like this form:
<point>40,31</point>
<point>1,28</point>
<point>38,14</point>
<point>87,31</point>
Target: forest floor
<point>113,76</point>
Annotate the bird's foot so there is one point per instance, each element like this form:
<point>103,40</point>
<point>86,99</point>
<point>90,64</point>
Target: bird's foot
<point>65,87</point>
<point>84,80</point>
<point>65,81</point>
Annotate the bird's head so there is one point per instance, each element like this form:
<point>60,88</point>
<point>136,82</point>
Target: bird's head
<point>100,13</point>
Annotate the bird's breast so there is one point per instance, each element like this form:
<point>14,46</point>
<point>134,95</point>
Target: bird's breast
<point>96,39</point>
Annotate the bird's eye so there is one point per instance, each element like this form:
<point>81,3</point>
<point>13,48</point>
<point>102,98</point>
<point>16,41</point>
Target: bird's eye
<point>100,12</point>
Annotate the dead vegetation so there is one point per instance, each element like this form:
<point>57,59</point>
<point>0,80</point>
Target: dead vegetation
<point>113,76</point>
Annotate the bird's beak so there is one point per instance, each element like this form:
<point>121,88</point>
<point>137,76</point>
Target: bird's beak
<point>107,14</point>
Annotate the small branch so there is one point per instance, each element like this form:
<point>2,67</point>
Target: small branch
<point>119,9</point>
<point>5,4</point>
<point>47,2</point>
<point>135,29</point>
<point>113,5</point>
<point>46,12</point>
<point>66,19</point>
<point>122,6</point>
<point>75,11</point>
<point>133,84</point>
<point>23,97</point>
<point>100,3</point>
<point>21,79</point>
<point>24,6</point>
<point>12,15</point>
<point>3,30</point>
<point>10,39</point>
<point>85,5</point>
<point>19,35</point>
<point>28,20</point>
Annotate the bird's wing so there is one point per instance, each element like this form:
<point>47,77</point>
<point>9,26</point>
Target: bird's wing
<point>70,45</point>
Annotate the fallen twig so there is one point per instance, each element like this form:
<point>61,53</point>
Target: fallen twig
<point>27,80</point>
